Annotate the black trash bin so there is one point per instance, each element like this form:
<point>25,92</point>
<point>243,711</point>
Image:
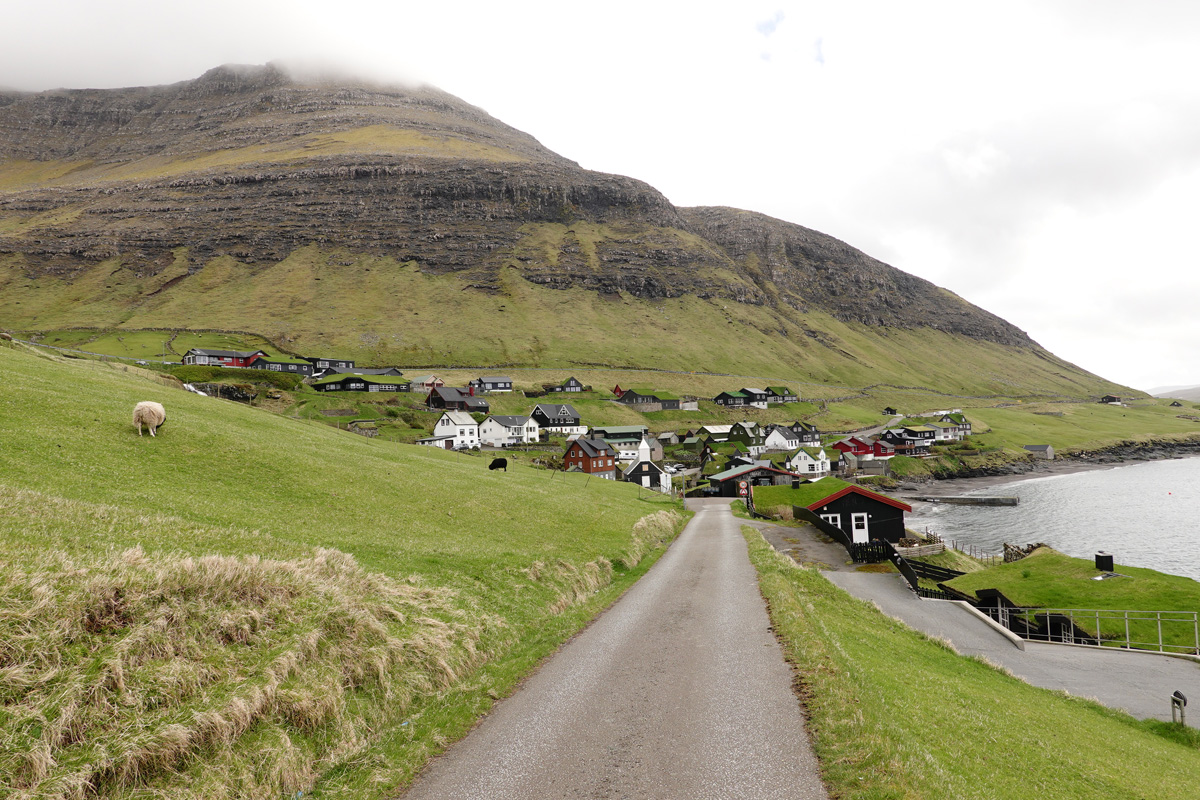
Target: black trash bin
<point>1104,561</point>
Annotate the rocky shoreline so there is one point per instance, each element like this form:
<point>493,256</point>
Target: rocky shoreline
<point>1127,452</point>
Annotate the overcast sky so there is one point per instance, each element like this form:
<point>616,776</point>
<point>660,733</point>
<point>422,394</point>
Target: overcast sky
<point>1040,159</point>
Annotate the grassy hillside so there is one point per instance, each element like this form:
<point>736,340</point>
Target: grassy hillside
<point>894,714</point>
<point>251,605</point>
<point>379,311</point>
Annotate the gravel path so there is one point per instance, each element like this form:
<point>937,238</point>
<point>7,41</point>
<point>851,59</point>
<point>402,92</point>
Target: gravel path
<point>680,690</point>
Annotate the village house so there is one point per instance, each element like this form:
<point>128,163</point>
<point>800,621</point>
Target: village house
<point>731,399</point>
<point>569,385</point>
<point>750,436</point>
<point>656,400</point>
<point>390,372</point>
<point>327,363</point>
<point>646,447</point>
<point>717,433</point>
<point>781,439</point>
<point>910,440</point>
<point>850,464</point>
<point>782,394</point>
<point>592,456</point>
<point>491,383</point>
<point>425,383</point>
<point>453,399</point>
<point>811,462</point>
<point>649,475</point>
<point>558,418</point>
<point>861,514</point>
<point>297,366</point>
<point>808,433</point>
<point>959,420</point>
<point>619,433</point>
<point>944,432</point>
<point>504,430</point>
<point>1043,451</point>
<point>460,427</point>
<point>756,398</point>
<point>728,483</point>
<point>221,358</point>
<point>350,382</point>
<point>668,438</point>
<point>865,448</point>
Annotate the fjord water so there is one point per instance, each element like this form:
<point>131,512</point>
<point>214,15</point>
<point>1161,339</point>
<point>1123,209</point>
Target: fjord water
<point>1146,515</point>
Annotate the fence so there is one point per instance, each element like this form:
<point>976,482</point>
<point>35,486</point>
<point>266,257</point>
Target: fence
<point>1161,631</point>
<point>932,572</point>
<point>989,559</point>
<point>922,550</point>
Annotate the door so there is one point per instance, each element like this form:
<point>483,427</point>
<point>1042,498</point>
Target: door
<point>858,528</point>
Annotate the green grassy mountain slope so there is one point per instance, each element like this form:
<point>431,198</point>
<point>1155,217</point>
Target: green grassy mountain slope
<point>248,605</point>
<point>403,225</point>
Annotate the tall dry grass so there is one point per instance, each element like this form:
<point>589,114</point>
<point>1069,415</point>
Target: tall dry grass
<point>123,672</point>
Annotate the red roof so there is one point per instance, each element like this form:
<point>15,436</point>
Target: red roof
<point>852,489</point>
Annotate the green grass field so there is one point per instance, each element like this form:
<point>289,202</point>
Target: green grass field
<point>895,714</point>
<point>1050,579</point>
<point>254,605</point>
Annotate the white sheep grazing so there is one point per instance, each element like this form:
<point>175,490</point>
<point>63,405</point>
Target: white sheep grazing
<point>150,414</point>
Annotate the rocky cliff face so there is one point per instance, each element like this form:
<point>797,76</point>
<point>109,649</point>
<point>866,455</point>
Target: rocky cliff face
<point>253,163</point>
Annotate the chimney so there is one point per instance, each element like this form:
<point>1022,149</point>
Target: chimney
<point>471,391</point>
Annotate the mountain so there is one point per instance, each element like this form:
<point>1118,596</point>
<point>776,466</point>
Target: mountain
<point>403,224</point>
<point>1191,393</point>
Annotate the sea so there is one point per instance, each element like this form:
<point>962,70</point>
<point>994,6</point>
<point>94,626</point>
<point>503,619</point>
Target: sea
<point>1145,514</point>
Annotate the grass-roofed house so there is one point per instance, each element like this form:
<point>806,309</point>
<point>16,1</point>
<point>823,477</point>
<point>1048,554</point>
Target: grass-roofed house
<point>731,399</point>
<point>728,483</point>
<point>781,394</point>
<point>863,515</point>
<point>350,382</point>
<point>298,366</point>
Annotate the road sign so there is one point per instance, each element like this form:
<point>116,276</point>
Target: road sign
<point>742,491</point>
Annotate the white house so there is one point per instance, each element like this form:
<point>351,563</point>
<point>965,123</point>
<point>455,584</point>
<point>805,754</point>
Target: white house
<point>460,425</point>
<point>500,430</point>
<point>810,462</point>
<point>781,440</point>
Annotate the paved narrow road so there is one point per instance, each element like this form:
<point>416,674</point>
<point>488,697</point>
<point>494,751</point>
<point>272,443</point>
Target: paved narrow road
<point>680,690</point>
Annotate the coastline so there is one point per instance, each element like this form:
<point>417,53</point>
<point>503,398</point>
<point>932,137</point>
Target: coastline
<point>1111,458</point>
<point>955,486</point>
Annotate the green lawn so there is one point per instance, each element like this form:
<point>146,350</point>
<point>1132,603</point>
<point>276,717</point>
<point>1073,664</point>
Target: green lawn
<point>895,714</point>
<point>1050,579</point>
<point>324,589</point>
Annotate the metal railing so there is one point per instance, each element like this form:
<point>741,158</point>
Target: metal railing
<point>1159,631</point>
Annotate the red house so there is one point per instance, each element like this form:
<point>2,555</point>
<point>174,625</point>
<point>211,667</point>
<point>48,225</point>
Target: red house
<point>864,446</point>
<point>593,456</point>
<point>221,358</point>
